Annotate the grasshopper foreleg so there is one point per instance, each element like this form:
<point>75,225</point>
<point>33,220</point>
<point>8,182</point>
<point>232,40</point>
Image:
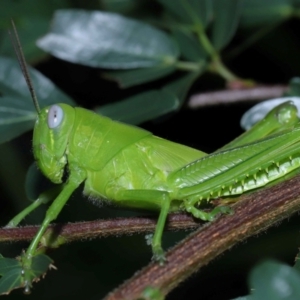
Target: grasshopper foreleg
<point>43,198</point>
<point>77,176</point>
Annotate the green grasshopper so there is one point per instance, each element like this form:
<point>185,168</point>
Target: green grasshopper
<point>130,167</point>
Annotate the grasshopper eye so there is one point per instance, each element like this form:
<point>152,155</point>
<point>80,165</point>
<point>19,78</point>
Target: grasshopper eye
<point>55,116</point>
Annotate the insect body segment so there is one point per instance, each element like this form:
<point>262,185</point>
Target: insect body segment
<point>130,167</point>
<point>50,144</point>
<point>99,139</point>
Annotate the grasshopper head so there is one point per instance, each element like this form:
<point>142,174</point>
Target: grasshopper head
<point>50,139</point>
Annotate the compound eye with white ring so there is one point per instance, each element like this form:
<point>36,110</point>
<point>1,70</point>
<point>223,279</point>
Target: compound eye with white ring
<point>55,116</point>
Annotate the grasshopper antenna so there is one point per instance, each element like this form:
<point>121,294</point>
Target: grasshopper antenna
<point>15,40</point>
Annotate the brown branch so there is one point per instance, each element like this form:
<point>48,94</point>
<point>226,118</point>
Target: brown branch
<point>253,214</point>
<point>236,95</point>
<point>100,228</point>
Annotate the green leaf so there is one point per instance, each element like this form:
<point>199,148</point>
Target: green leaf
<point>30,8</point>
<point>11,280</point>
<point>226,18</point>
<point>29,31</point>
<point>11,271</point>
<point>36,183</point>
<point>32,20</point>
<point>257,13</point>
<point>181,86</point>
<point>189,46</point>
<point>17,112</point>
<point>134,77</point>
<point>15,117</point>
<point>276,281</point>
<point>107,40</point>
<point>140,108</point>
<point>195,12</point>
<point>297,263</point>
<point>7,264</point>
<point>294,87</point>
<point>123,7</point>
<point>40,265</point>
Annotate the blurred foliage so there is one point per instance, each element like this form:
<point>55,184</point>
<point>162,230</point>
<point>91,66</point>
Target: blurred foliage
<point>157,52</point>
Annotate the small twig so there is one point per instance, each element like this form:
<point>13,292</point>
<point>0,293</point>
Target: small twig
<point>100,228</point>
<point>252,214</point>
<point>230,96</point>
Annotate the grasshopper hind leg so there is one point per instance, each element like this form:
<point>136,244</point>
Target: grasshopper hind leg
<point>207,216</point>
<point>190,206</point>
